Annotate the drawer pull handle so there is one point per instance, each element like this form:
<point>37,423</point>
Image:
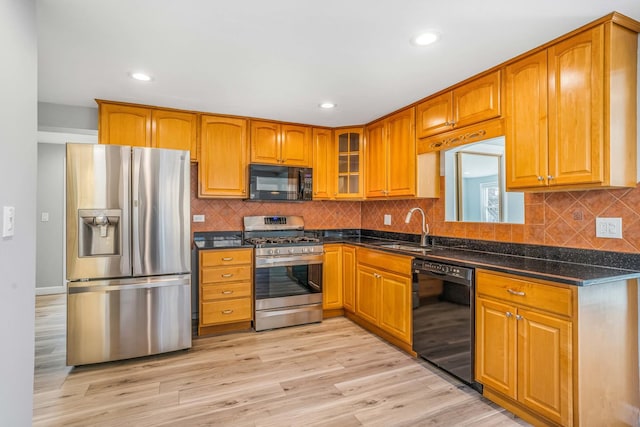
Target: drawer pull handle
<point>518,293</point>
<point>508,314</point>
<point>231,275</point>
<point>227,311</point>
<point>227,258</point>
<point>227,292</point>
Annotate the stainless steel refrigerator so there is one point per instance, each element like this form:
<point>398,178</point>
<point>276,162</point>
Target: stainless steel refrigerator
<point>128,252</point>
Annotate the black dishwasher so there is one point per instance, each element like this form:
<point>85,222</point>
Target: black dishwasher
<point>444,317</point>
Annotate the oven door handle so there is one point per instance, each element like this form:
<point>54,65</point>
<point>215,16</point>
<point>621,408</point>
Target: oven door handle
<point>286,261</point>
<point>314,285</point>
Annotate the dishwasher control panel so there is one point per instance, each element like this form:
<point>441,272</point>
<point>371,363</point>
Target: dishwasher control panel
<point>438,268</point>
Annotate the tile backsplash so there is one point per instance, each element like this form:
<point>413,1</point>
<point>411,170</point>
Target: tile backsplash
<point>564,218</point>
<point>226,214</point>
<point>556,219</point>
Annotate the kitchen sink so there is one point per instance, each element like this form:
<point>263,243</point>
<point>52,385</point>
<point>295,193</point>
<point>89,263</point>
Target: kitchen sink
<point>408,248</point>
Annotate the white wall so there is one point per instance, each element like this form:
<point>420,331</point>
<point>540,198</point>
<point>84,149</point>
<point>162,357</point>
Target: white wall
<point>18,130</point>
<point>50,233</point>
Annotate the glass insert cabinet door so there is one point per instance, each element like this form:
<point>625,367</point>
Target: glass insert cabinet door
<point>349,144</point>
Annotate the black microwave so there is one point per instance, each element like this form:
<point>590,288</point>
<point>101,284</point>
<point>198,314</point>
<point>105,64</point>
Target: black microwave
<point>280,183</point>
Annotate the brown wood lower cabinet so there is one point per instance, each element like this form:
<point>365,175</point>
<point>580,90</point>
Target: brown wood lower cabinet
<point>349,277</point>
<point>383,295</point>
<point>225,290</point>
<point>556,354</point>
<point>332,280</point>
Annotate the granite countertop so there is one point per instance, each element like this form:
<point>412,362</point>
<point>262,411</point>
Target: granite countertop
<point>558,271</point>
<point>532,262</point>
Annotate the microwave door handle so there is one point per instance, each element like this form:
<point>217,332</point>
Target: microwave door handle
<point>300,184</point>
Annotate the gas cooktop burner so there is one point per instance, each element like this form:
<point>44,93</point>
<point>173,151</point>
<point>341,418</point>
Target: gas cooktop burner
<point>288,240</point>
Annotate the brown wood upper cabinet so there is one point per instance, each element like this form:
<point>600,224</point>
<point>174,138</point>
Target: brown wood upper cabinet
<point>337,163</point>
<point>141,126</point>
<point>465,105</point>
<point>390,156</point>
<point>323,164</point>
<point>571,113</point>
<point>280,144</point>
<point>222,171</point>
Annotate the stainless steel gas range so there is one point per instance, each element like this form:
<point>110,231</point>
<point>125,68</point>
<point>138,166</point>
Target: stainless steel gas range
<point>288,271</point>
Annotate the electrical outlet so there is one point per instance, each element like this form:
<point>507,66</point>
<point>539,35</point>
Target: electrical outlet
<point>198,218</point>
<point>609,228</point>
<point>387,219</point>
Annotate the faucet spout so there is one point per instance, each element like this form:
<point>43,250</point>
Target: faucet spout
<point>425,227</point>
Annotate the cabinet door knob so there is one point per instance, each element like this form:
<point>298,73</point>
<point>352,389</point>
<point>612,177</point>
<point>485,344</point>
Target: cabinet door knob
<point>540,178</point>
<point>518,317</point>
<point>517,293</point>
<point>550,177</point>
<point>508,314</point>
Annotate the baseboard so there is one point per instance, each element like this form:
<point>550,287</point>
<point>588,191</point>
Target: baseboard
<point>51,290</point>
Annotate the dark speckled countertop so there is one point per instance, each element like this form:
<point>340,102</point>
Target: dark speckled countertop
<point>571,273</point>
<point>541,262</point>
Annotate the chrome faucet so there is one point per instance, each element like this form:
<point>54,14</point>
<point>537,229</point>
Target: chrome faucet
<point>425,226</point>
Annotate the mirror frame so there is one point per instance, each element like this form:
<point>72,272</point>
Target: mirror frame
<point>460,184</point>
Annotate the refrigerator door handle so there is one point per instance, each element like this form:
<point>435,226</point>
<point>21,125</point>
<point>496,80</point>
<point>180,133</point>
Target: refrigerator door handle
<point>83,287</point>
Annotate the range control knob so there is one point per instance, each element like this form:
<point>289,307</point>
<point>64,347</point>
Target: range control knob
<point>291,250</point>
<point>305,250</point>
<point>270,251</point>
<point>277,251</point>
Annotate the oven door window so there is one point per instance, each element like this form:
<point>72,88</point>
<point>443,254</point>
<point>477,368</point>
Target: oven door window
<point>276,282</point>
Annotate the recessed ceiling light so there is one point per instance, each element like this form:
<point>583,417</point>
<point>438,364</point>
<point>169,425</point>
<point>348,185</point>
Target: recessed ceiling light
<point>327,105</point>
<point>141,76</point>
<point>425,38</point>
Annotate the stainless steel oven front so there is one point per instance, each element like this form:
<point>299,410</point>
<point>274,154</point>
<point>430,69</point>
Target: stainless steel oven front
<point>288,286</point>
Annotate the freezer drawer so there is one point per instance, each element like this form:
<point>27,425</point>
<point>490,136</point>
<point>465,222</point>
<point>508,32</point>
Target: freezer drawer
<point>121,319</point>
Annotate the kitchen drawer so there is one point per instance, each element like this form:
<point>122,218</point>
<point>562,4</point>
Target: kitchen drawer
<point>225,311</point>
<point>220,257</point>
<point>226,290</point>
<point>527,292</point>
<point>226,274</point>
<point>384,260</point>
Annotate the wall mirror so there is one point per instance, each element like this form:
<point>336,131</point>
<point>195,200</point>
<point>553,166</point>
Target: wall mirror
<point>475,185</point>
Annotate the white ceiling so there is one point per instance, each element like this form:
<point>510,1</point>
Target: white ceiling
<point>279,59</point>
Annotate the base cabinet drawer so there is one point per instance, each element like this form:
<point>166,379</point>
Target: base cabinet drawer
<point>228,310</point>
<point>216,258</point>
<point>226,274</point>
<point>226,290</point>
<point>520,291</point>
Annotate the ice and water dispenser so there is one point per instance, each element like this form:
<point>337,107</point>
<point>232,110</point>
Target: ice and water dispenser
<point>99,232</point>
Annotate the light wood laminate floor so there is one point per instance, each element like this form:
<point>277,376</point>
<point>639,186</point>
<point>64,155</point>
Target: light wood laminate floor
<point>329,374</point>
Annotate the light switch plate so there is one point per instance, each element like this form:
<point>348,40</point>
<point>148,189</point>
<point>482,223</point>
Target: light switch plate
<point>609,228</point>
<point>387,219</point>
<point>44,216</point>
<point>8,221</point>
<point>198,218</point>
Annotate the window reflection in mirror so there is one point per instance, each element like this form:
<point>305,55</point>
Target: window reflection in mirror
<point>475,185</point>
